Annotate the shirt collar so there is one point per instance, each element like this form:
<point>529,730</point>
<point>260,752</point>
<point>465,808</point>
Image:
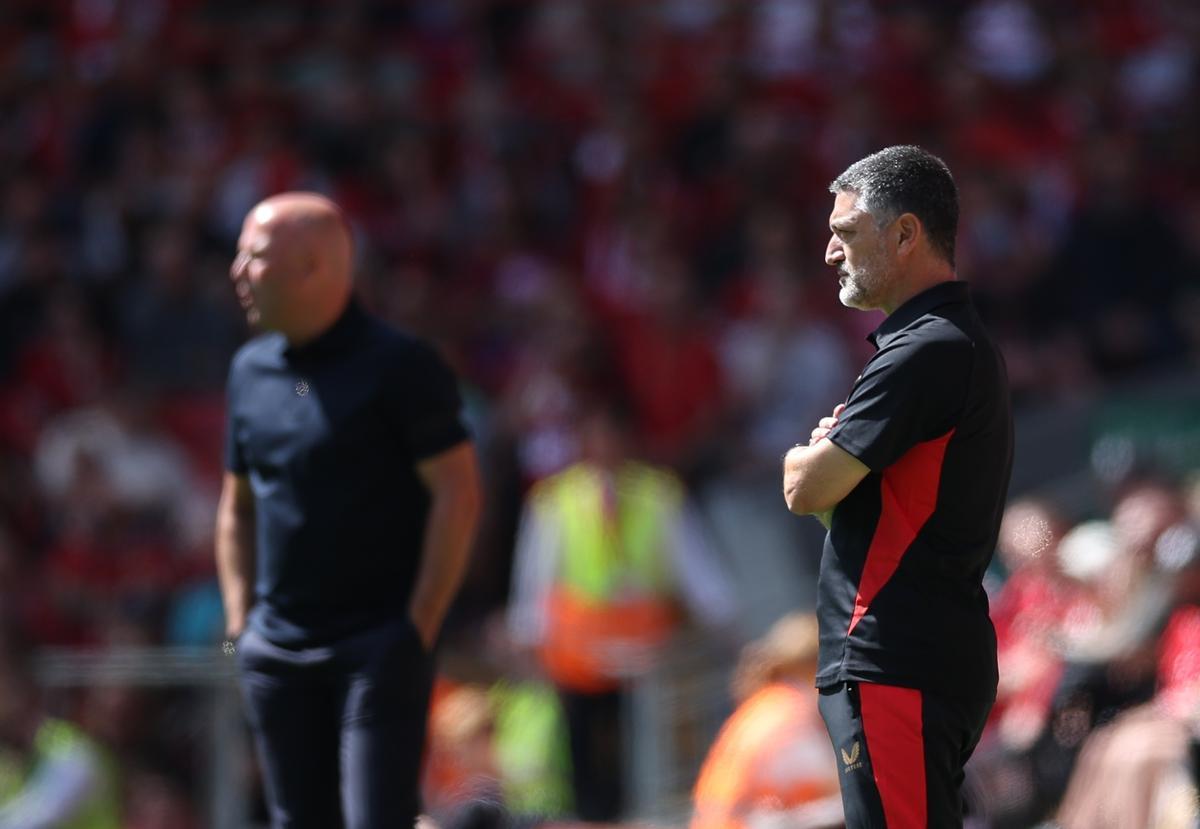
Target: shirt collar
<point>943,293</point>
<point>334,337</point>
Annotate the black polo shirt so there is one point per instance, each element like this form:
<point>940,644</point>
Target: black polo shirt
<point>900,596</point>
<point>329,434</point>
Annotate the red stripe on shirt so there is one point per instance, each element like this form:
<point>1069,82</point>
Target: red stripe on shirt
<point>908,497</point>
<point>893,727</point>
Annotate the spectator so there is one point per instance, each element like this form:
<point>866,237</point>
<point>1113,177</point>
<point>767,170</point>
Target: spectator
<point>51,773</point>
<point>1127,770</point>
<point>607,550</point>
<point>1097,659</point>
<point>506,743</point>
<point>460,763</point>
<point>1028,613</point>
<point>771,761</point>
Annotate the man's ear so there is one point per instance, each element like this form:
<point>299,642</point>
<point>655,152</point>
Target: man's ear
<point>908,233</point>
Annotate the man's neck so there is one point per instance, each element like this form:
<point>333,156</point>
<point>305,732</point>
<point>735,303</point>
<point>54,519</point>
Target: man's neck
<point>912,287</point>
<point>301,335</point>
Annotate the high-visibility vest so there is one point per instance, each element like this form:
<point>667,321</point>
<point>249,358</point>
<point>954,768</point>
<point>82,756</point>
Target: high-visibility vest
<point>614,585</point>
<point>531,749</point>
<point>102,808</point>
<point>771,756</point>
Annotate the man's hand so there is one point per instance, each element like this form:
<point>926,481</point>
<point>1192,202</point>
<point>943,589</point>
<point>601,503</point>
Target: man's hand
<point>826,424</point>
<point>818,476</point>
<point>824,427</point>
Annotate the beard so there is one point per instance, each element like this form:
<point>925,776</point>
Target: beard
<point>861,287</point>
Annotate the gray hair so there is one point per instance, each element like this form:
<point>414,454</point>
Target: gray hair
<point>906,179</point>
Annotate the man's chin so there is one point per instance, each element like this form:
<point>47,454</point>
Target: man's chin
<point>852,299</point>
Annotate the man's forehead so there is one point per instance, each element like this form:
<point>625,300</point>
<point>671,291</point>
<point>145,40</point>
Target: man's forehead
<point>256,228</point>
<point>264,213</point>
<point>845,209</point>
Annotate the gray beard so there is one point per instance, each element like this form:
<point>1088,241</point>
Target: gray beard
<point>859,289</point>
<point>863,287</point>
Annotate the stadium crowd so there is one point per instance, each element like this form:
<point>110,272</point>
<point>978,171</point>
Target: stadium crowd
<point>581,203</point>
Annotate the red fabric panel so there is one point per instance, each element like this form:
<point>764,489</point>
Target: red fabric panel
<point>1179,662</point>
<point>893,728</point>
<point>909,495</point>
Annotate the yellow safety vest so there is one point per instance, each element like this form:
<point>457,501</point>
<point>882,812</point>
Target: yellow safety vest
<point>614,581</point>
<point>531,749</point>
<point>102,810</point>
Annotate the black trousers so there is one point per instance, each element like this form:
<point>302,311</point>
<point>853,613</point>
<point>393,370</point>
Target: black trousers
<point>900,753</point>
<point>594,734</point>
<point>340,729</point>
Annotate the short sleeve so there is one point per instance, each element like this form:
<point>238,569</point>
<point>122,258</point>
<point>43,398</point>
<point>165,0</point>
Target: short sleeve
<point>910,392</point>
<point>235,459</point>
<point>427,403</point>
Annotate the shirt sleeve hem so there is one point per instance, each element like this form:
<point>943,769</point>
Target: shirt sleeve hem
<point>860,453</point>
<point>440,444</point>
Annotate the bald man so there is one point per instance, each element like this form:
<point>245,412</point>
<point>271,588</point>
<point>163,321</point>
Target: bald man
<point>349,503</point>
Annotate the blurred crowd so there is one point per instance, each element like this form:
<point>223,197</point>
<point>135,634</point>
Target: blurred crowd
<point>1097,720</point>
<point>580,203</point>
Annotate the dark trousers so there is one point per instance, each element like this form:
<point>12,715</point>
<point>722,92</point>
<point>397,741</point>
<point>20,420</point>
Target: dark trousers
<point>594,733</point>
<point>339,729</point>
<point>900,753</point>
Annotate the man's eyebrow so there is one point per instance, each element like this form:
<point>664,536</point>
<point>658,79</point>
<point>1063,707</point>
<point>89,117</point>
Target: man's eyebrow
<point>842,224</point>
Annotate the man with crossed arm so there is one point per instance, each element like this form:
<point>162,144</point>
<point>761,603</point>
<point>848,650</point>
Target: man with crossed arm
<point>910,476</point>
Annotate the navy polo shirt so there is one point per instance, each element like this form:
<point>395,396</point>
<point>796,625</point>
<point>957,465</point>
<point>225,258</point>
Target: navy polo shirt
<point>329,434</point>
<point>900,592</point>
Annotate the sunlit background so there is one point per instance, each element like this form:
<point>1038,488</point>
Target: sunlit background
<point>586,203</point>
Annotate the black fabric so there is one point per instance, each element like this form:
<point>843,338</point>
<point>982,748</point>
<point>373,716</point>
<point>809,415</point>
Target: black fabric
<point>936,373</point>
<point>950,727</point>
<point>842,713</point>
<point>1194,760</point>
<point>594,735</point>
<point>329,435</point>
<point>339,729</point>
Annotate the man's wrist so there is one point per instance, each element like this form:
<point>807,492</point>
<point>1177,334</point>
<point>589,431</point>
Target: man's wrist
<point>232,634</point>
<point>783,458</point>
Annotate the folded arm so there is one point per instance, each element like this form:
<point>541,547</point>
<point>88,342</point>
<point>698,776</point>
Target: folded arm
<point>816,478</point>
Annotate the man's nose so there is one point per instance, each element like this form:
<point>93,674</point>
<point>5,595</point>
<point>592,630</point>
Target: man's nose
<point>237,266</point>
<point>833,252</point>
